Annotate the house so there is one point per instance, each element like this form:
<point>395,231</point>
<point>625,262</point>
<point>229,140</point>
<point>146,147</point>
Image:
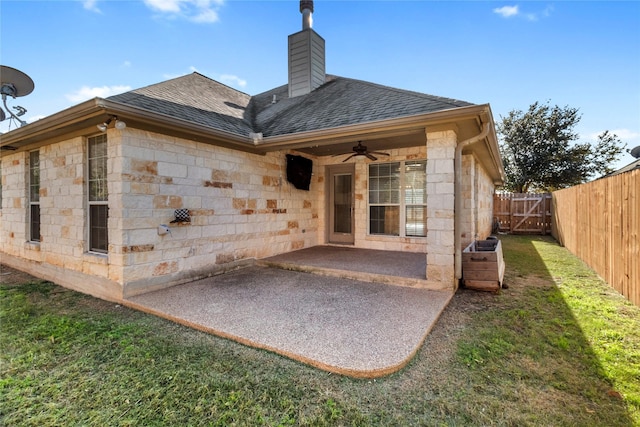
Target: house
<point>188,177</point>
<point>628,168</point>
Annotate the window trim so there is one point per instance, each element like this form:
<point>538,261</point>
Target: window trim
<point>91,203</point>
<point>0,183</point>
<point>402,203</point>
<point>31,202</point>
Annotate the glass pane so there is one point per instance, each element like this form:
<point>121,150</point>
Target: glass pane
<point>98,235</point>
<point>98,146</point>
<point>34,226</point>
<point>342,204</point>
<point>415,183</point>
<point>384,183</point>
<point>416,221</point>
<point>384,220</point>
<point>373,197</point>
<point>34,176</point>
<point>98,169</point>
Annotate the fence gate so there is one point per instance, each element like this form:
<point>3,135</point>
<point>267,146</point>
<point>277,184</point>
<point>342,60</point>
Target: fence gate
<point>523,213</point>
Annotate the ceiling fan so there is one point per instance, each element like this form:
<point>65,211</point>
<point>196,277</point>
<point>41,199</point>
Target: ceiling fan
<point>361,150</point>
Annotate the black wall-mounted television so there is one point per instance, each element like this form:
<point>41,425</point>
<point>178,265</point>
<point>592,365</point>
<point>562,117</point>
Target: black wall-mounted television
<point>299,171</point>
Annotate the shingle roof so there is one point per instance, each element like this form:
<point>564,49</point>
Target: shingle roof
<point>630,167</point>
<point>339,102</point>
<point>195,98</point>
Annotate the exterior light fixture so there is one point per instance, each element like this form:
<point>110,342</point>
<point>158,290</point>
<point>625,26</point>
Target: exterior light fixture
<point>102,127</point>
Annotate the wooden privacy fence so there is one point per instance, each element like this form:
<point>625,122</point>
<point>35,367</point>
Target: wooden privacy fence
<point>523,213</point>
<point>600,223</point>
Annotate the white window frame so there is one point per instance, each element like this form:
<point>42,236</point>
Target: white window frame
<point>0,183</point>
<point>34,195</point>
<point>93,199</point>
<point>402,203</point>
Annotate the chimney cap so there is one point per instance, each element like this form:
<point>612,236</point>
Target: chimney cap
<point>306,4</point>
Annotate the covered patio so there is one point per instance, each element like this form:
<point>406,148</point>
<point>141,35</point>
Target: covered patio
<point>369,265</point>
<point>345,318</point>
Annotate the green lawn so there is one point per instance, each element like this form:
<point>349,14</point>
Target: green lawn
<point>556,348</point>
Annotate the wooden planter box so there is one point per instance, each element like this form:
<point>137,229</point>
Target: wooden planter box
<point>483,265</point>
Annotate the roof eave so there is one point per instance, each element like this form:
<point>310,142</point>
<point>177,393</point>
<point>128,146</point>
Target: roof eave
<point>61,123</point>
<point>169,125</point>
<point>330,135</point>
<point>477,114</point>
<point>81,119</point>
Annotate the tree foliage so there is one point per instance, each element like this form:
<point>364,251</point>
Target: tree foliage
<point>540,150</point>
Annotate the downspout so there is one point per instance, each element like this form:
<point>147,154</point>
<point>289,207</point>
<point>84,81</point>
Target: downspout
<point>458,196</point>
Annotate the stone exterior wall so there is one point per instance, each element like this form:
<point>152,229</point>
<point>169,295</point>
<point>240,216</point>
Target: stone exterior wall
<point>362,237</point>
<point>477,201</point>
<point>441,148</point>
<point>241,207</point>
<point>485,191</point>
<point>61,254</point>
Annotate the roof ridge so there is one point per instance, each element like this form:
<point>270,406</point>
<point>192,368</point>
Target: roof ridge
<point>404,91</point>
<point>218,82</point>
<point>184,76</point>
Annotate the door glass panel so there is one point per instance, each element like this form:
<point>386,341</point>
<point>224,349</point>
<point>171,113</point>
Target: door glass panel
<point>342,204</point>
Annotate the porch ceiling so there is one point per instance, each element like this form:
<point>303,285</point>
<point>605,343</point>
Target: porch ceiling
<point>413,139</point>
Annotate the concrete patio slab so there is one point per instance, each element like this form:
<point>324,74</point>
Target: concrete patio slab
<point>369,265</point>
<point>345,326</point>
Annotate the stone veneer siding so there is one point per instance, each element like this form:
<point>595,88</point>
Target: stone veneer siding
<point>441,148</point>
<point>241,208</point>
<point>477,201</point>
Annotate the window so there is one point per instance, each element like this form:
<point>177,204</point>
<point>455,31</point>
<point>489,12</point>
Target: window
<point>397,199</point>
<point>34,196</point>
<point>97,194</point>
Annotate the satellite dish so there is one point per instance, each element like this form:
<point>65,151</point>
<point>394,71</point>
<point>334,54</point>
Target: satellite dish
<point>635,152</point>
<point>14,82</point>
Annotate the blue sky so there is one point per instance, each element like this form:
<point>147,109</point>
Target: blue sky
<point>582,54</point>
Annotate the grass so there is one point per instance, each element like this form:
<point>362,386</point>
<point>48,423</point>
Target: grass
<point>558,347</point>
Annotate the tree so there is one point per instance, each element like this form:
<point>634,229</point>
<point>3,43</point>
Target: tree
<point>540,150</point>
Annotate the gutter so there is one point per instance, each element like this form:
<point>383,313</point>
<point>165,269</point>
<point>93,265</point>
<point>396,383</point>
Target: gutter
<point>458,196</point>
<point>89,113</point>
<point>347,133</point>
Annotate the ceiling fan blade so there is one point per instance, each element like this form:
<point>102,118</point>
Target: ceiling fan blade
<point>342,154</point>
<point>380,153</point>
<point>370,156</point>
<point>353,155</point>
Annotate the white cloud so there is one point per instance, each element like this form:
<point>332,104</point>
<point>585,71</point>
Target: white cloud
<point>168,6</point>
<point>631,138</point>
<point>91,5</point>
<point>86,92</point>
<point>232,80</point>
<point>126,64</point>
<point>547,11</point>
<point>511,11</point>
<point>626,135</point>
<point>199,11</point>
<point>507,11</point>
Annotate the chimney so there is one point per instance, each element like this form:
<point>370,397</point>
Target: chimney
<point>306,56</point>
